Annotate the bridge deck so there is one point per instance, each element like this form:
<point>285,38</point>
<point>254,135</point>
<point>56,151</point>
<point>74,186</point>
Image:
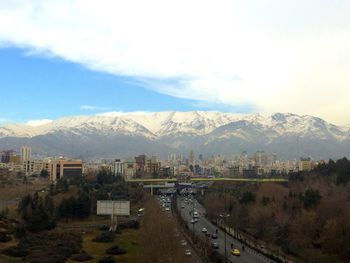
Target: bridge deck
<point>173,180</point>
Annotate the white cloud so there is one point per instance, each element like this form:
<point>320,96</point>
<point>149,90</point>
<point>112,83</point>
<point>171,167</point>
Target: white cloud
<point>289,56</point>
<point>36,123</point>
<point>91,107</point>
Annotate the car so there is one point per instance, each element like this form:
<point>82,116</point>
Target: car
<point>208,234</point>
<point>188,252</point>
<point>204,230</point>
<point>167,209</point>
<point>236,252</point>
<point>214,236</point>
<point>215,245</point>
<point>183,243</point>
<point>141,212</point>
<point>193,221</point>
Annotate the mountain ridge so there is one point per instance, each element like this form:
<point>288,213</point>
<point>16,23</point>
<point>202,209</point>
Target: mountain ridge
<point>181,131</point>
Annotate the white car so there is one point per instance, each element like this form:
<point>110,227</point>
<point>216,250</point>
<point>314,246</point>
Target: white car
<point>188,252</point>
<point>204,230</point>
<point>183,243</point>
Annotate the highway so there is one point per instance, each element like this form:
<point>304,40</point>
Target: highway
<point>247,256</point>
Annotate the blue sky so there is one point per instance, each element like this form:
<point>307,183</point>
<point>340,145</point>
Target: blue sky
<point>229,55</point>
<point>34,87</point>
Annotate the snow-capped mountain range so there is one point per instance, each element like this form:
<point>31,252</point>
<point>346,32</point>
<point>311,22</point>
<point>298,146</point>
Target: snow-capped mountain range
<point>206,132</point>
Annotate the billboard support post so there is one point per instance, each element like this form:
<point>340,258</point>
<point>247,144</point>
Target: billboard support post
<point>113,208</point>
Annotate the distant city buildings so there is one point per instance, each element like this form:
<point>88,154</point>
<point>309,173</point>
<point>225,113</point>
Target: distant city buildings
<point>259,164</point>
<point>7,156</point>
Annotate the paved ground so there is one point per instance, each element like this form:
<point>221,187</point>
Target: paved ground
<point>246,256</point>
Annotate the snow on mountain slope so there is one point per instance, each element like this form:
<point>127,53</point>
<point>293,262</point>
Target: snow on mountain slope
<point>172,122</point>
<point>79,125</point>
<point>303,126</point>
<point>194,123</point>
<point>19,130</point>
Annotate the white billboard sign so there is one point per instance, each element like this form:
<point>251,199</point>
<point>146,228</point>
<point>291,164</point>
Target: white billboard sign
<point>117,208</point>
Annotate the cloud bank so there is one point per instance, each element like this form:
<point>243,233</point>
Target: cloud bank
<point>288,56</point>
<point>92,108</point>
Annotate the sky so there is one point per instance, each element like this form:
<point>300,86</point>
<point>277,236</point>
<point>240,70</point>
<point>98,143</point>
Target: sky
<point>78,57</point>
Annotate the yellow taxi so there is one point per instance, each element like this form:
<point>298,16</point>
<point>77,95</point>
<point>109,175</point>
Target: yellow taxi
<point>235,252</point>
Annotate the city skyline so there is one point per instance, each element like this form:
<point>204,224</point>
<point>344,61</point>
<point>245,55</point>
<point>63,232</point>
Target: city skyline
<point>73,58</point>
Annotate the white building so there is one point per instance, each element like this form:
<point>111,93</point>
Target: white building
<point>118,168</point>
<point>26,154</point>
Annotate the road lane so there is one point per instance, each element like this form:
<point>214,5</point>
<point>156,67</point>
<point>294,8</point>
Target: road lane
<point>247,256</point>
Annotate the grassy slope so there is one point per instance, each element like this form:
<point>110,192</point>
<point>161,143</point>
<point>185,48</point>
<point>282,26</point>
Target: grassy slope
<point>129,240</point>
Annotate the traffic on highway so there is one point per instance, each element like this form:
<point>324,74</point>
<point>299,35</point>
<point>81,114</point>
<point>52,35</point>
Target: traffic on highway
<point>194,215</point>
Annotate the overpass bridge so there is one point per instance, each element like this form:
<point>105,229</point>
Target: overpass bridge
<point>157,184</point>
<point>221,179</point>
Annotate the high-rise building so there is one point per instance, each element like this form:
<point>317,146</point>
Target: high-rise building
<point>6,156</point>
<point>260,158</point>
<point>26,153</point>
<point>140,162</point>
<point>153,166</point>
<point>118,168</point>
<point>191,159</point>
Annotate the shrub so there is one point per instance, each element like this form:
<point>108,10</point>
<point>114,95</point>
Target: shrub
<point>4,237</point>
<point>104,228</point>
<point>133,224</point>
<point>104,237</point>
<point>6,259</point>
<point>49,247</point>
<point>17,252</point>
<point>107,259</point>
<point>81,257</point>
<point>115,250</point>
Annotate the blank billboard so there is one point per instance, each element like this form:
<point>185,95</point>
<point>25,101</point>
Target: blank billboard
<point>109,207</point>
